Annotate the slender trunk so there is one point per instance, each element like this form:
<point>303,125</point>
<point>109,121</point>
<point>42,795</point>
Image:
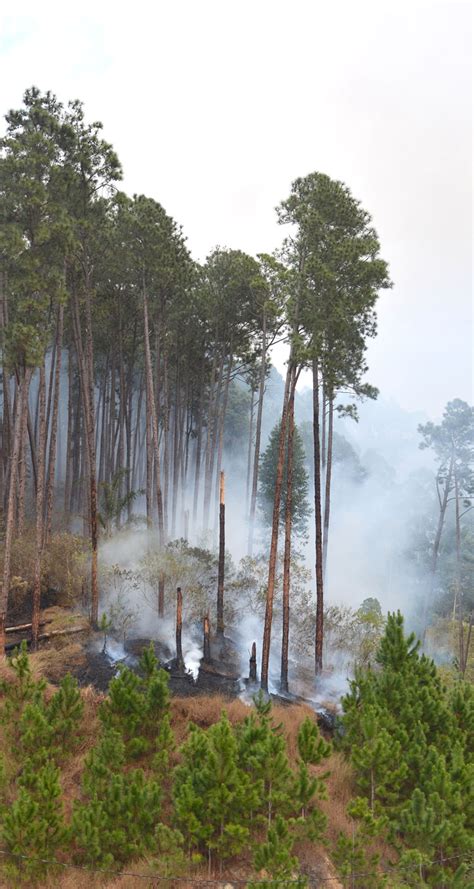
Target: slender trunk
<point>287,551</point>
<point>179,629</point>
<point>149,467</point>
<point>212,439</point>
<point>220,445</point>
<point>327,497</point>
<point>35,618</point>
<point>249,452</point>
<point>68,479</point>
<point>267,630</point>
<point>154,422</point>
<point>86,378</point>
<point>22,476</point>
<point>253,664</point>
<point>166,443</point>
<point>323,428</point>
<point>258,434</point>
<point>21,400</point>
<point>221,566</point>
<point>207,640</point>
<point>54,429</point>
<point>318,524</point>
<point>174,494</point>
<point>436,546</point>
<point>197,464</point>
<point>161,595</point>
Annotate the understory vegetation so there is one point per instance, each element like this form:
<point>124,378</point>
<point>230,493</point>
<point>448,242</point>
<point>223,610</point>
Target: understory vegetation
<point>104,781</point>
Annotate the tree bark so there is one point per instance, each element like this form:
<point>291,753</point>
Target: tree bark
<point>154,422</point>
<point>327,497</point>
<point>221,567</point>
<point>54,429</point>
<point>287,550</point>
<point>21,401</point>
<point>258,434</point>
<point>35,618</point>
<point>318,524</point>
<point>179,629</point>
<point>267,630</point>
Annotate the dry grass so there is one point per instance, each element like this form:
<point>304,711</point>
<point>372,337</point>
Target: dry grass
<point>55,660</point>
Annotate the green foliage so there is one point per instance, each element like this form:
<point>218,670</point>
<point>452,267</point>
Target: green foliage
<point>410,741</point>
<point>267,481</point>
<point>22,689</point>
<point>113,501</point>
<point>33,826</point>
<point>273,859</point>
<point>120,819</point>
<point>137,706</point>
<point>50,728</point>
<point>212,795</point>
<point>357,866</point>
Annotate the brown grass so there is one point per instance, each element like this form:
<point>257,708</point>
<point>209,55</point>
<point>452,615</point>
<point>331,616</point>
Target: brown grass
<point>55,660</point>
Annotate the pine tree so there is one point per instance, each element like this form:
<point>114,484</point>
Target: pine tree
<point>33,825</point>
<point>411,745</point>
<point>269,459</point>
<point>213,797</point>
<point>263,756</point>
<point>138,706</point>
<point>357,866</point>
<point>273,859</point>
<point>308,787</point>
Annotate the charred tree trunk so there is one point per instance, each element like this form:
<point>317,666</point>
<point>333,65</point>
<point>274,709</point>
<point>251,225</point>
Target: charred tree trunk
<point>318,525</point>
<point>287,551</point>
<point>253,664</point>
<point>179,629</point>
<point>220,577</point>
<point>35,617</point>
<point>267,630</point>
<point>161,596</point>
<point>207,641</point>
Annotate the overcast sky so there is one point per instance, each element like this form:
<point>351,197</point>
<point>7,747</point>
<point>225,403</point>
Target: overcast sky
<point>215,106</point>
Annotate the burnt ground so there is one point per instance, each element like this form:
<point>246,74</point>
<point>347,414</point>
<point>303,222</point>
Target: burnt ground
<point>72,647</point>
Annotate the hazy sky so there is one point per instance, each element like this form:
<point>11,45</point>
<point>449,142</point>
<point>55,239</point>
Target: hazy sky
<point>215,107</point>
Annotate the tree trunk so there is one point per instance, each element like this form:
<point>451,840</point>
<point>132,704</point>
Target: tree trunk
<point>154,422</point>
<point>249,453</point>
<point>436,546</point>
<point>207,641</point>
<point>179,629</point>
<point>220,445</point>
<point>318,524</point>
<point>220,576</point>
<point>258,434</point>
<point>69,439</point>
<point>21,401</point>
<point>35,618</point>
<point>54,429</point>
<point>267,630</point>
<point>287,551</point>
<point>327,498</point>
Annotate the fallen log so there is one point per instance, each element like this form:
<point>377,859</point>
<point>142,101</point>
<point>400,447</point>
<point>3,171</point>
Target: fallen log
<point>65,632</point>
<point>20,627</point>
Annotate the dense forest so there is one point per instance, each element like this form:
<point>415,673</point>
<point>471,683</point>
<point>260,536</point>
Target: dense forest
<point>159,478</point>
